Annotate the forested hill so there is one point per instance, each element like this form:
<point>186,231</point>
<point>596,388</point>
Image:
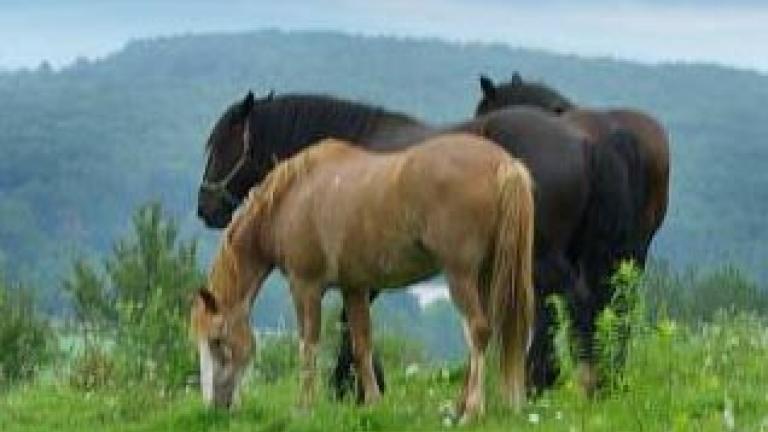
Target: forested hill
<point>82,147</point>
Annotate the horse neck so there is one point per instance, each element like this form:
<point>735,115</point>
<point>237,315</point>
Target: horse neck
<point>241,263</point>
<point>294,124</point>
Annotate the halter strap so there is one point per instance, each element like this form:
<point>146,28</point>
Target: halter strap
<point>220,187</point>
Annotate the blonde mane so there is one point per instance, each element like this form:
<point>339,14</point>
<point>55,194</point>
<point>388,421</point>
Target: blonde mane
<point>263,198</point>
<point>261,201</point>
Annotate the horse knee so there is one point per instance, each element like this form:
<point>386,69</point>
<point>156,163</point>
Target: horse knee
<point>480,331</point>
<point>360,349</point>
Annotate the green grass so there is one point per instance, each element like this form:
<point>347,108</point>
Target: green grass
<point>712,378</point>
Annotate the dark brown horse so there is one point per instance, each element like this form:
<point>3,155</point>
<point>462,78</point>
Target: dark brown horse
<point>644,145</point>
<point>650,137</point>
<point>572,199</point>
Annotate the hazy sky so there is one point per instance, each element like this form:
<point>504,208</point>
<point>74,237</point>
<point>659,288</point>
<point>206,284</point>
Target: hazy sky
<point>645,30</point>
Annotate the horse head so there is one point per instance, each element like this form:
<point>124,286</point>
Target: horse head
<point>518,92</point>
<point>231,168</point>
<point>225,343</point>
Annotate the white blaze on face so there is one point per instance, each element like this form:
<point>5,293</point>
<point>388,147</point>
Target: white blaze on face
<point>206,371</point>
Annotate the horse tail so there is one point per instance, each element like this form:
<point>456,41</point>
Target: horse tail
<point>618,193</point>
<point>511,291</point>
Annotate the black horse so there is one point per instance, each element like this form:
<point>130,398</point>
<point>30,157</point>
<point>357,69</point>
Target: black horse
<point>644,151</point>
<point>650,183</point>
<point>580,194</point>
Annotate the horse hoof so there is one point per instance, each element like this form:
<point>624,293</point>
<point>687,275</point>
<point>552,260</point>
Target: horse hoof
<point>587,377</point>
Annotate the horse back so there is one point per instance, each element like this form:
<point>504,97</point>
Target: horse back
<point>554,152</point>
<point>388,219</point>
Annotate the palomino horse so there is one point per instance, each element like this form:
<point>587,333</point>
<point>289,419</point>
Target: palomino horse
<point>338,215</point>
<point>579,191</point>
<point>644,149</point>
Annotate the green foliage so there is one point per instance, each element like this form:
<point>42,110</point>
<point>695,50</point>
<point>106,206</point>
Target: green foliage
<point>91,303</point>
<point>277,357</point>
<point>624,315</point>
<point>561,337</point>
<point>694,296</point>
<point>92,369</point>
<point>398,351</point>
<point>27,342</point>
<point>153,259</point>
<point>678,379</point>
<point>148,285</point>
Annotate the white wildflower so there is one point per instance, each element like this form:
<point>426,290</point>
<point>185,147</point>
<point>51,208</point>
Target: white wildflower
<point>534,418</point>
<point>411,370</point>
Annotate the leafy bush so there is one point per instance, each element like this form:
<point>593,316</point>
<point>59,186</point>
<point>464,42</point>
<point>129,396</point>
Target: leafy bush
<point>561,335</point>
<point>623,316</point>
<point>93,369</point>
<point>27,341</point>
<point>142,303</point>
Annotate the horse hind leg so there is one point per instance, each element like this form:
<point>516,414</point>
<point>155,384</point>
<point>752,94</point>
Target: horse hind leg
<point>465,296</point>
<point>357,306</point>
<point>343,378</point>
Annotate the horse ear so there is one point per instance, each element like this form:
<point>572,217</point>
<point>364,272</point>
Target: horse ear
<point>489,89</point>
<point>208,300</point>
<point>270,96</point>
<point>516,79</point>
<point>248,102</point>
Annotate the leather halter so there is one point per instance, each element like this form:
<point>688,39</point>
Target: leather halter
<point>220,187</point>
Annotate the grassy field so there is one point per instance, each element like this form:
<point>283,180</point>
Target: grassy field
<point>711,378</point>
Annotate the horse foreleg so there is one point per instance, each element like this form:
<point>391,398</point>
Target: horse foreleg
<point>357,307</point>
<point>584,312</point>
<point>307,300</point>
<point>465,296</point>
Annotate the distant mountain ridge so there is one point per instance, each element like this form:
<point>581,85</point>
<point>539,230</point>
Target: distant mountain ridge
<point>81,148</point>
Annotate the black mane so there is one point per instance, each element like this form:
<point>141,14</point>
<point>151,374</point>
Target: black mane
<point>288,123</point>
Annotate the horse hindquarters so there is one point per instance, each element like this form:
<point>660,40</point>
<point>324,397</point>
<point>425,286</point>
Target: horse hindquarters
<point>610,234</point>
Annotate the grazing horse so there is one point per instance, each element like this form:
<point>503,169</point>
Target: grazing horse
<point>643,147</point>
<point>578,192</point>
<point>338,215</point>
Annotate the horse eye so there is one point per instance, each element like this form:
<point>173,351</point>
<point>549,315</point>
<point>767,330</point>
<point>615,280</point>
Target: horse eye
<point>220,349</point>
<point>216,344</point>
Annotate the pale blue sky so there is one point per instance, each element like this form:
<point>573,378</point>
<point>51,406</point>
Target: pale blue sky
<point>643,30</point>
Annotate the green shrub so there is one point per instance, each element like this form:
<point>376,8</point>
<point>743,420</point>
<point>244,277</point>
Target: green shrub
<point>624,315</point>
<point>92,369</point>
<point>561,337</point>
<point>27,341</point>
<point>142,303</point>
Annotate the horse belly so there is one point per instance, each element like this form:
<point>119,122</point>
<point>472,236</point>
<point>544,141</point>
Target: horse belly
<point>386,264</point>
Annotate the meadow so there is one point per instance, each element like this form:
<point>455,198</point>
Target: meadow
<point>677,379</point>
